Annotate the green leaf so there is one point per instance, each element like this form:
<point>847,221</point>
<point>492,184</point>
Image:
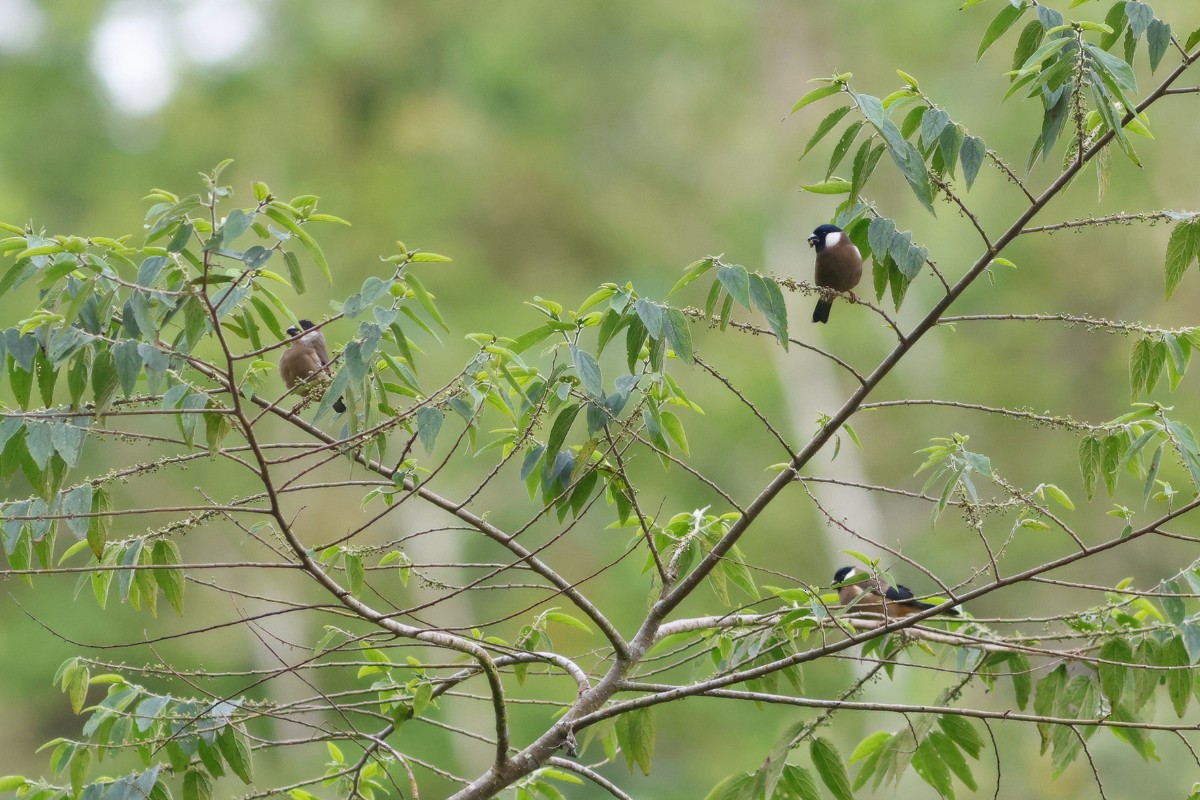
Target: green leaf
<point>567,619</point>
<point>635,734</point>
<point>962,733</point>
<point>237,752</point>
<point>309,244</point>
<point>768,299</point>
<point>1140,16</point>
<point>674,429</point>
<point>1029,41</point>
<point>679,336</point>
<point>1039,56</point>
<point>825,127</point>
<point>1182,248</point>
<point>559,430</point>
<point>295,274</point>
<point>830,767</point>
<point>1141,365</point>
<point>796,783</point>
<point>814,95</point>
<point>735,787</point>
<point>912,120</point>
<point>999,24</point>
<point>1188,450</point>
<point>933,122</point>
<point>865,161</point>
<point>972,154</point>
<point>1114,654</point>
<point>1019,671</point>
<point>429,425</point>
<point>695,270</point>
<point>832,186</point>
<point>843,147</point>
<point>104,378</point>
<point>1110,462</point>
<point>651,315</point>
<point>1179,679</point>
<point>197,785</point>
<point>75,505</point>
<point>736,281</point>
<point>903,153</point>
<point>99,525</point>
<point>166,554</point>
<point>589,373</point>
<point>1106,64</point>
<point>1158,39</point>
<point>425,299</point>
<point>928,764</point>
<point>1059,496</point>
<point>1090,455</point>
<point>353,565</point>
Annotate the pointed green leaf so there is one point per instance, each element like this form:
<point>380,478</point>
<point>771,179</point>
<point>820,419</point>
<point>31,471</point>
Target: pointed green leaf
<point>429,425</point>
<point>999,24</point>
<point>589,373</point>
<point>767,297</point>
<point>825,127</point>
<point>1182,248</point>
<point>679,336</point>
<point>830,767</point>
<point>814,95</point>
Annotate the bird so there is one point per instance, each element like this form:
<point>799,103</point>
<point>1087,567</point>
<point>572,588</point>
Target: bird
<point>306,357</point>
<point>875,595</point>
<point>839,266</point>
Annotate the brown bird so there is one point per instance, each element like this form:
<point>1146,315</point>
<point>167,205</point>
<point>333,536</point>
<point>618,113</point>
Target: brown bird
<point>864,592</point>
<point>305,358</point>
<point>839,266</point>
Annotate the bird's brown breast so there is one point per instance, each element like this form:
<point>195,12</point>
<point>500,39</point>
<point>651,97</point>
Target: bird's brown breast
<point>839,267</point>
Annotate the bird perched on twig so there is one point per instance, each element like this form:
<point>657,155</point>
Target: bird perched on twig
<point>305,358</point>
<point>839,266</point>
<point>865,592</point>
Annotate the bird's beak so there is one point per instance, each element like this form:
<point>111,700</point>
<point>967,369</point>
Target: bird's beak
<point>812,241</point>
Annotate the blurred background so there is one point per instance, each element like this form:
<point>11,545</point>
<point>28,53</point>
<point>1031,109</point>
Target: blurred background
<point>548,147</point>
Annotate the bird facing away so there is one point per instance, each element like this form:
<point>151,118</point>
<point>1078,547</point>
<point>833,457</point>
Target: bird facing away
<point>874,595</point>
<point>839,266</point>
<point>306,358</point>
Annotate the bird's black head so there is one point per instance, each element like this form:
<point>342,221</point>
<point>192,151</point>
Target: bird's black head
<point>305,324</point>
<point>845,573</point>
<point>817,239</point>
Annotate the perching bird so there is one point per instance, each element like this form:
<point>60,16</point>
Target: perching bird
<point>839,266</point>
<point>305,358</point>
<point>877,596</point>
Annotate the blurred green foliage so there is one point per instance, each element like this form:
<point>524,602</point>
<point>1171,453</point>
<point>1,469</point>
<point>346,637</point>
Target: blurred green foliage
<point>549,147</point>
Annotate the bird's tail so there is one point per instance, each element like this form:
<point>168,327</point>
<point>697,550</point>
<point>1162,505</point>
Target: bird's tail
<point>821,312</point>
<point>953,612</point>
<point>339,406</point>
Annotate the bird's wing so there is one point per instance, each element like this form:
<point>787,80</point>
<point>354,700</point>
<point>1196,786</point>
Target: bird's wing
<point>898,593</point>
<point>319,347</point>
<point>298,363</point>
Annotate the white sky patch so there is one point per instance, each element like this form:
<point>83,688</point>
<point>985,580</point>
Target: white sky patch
<point>212,32</point>
<point>132,55</point>
<point>20,25</point>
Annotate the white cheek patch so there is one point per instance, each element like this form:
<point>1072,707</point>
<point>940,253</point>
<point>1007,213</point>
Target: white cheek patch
<point>833,238</point>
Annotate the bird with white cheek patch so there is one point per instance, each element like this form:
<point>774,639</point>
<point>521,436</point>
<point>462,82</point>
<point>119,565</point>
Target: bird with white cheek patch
<point>839,266</point>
